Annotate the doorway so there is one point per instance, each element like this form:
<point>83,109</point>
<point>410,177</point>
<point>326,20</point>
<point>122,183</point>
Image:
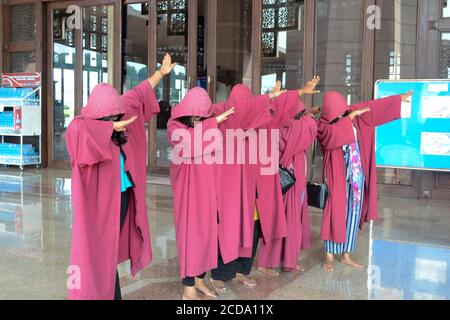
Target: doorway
<point>82,53</point>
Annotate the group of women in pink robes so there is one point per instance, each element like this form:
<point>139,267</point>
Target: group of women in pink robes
<point>217,228</point>
<point>222,208</point>
<point>224,204</point>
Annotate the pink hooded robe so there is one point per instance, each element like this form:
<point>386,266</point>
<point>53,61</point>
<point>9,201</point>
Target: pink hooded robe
<point>97,243</point>
<point>295,138</point>
<point>270,198</point>
<point>237,187</point>
<point>194,186</point>
<point>332,137</point>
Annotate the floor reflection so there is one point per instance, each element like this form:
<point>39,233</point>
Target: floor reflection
<point>407,251</point>
<point>408,271</point>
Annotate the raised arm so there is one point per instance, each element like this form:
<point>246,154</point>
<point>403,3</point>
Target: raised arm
<point>285,105</point>
<point>250,113</point>
<point>332,136</point>
<point>297,137</point>
<point>166,68</point>
<point>141,100</point>
<point>89,141</point>
<point>382,110</point>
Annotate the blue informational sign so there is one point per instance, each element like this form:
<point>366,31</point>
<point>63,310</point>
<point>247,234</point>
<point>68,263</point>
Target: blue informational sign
<point>421,139</point>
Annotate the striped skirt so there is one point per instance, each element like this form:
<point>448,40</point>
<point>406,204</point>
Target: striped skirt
<point>355,192</point>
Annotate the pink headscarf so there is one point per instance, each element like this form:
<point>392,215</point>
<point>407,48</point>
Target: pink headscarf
<point>239,92</point>
<point>196,103</point>
<point>104,101</point>
<point>333,106</point>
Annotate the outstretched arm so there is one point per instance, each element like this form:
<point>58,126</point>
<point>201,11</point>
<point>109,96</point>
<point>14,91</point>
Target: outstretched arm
<point>381,111</point>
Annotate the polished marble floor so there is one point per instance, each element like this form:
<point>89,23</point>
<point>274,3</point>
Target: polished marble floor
<point>407,252</point>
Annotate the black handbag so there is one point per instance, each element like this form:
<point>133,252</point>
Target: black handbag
<point>287,179</point>
<point>317,194</point>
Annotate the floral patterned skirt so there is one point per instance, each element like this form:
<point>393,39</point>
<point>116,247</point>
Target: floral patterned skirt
<point>355,193</point>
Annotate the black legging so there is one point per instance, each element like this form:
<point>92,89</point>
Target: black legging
<point>225,272</point>
<point>124,201</point>
<point>190,281</point>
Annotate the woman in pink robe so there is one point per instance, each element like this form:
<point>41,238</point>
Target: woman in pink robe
<point>342,127</point>
<point>239,232</point>
<point>295,138</point>
<point>194,181</point>
<point>110,223</point>
<point>237,188</point>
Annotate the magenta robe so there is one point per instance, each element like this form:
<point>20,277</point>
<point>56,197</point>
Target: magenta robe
<point>237,187</point>
<point>332,137</point>
<point>295,138</point>
<point>195,199</point>
<point>96,190</point>
<point>270,198</point>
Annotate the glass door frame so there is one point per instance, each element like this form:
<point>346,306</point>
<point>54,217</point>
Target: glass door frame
<point>52,162</point>
<point>191,63</point>
<point>432,24</point>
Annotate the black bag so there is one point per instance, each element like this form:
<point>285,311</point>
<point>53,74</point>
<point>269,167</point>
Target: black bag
<point>287,179</point>
<point>317,194</point>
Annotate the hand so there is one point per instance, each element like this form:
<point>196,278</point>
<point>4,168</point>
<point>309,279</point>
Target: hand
<point>406,96</point>
<point>167,65</point>
<point>277,90</point>
<point>121,126</point>
<point>358,113</point>
<point>314,110</point>
<point>224,116</point>
<point>309,114</point>
<point>310,87</point>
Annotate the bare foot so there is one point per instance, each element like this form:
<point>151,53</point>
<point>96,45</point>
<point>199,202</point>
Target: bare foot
<point>300,268</point>
<point>191,293</point>
<point>218,285</point>
<point>246,281</point>
<point>328,265</point>
<point>201,286</point>
<point>347,260</point>
<point>269,271</point>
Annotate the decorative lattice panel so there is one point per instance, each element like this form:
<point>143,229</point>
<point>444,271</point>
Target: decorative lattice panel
<point>277,15</point>
<point>20,61</point>
<point>23,23</point>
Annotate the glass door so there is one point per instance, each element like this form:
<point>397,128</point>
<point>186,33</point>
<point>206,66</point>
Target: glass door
<point>82,46</point>
<point>282,44</point>
<point>233,47</point>
<point>64,49</point>
<point>172,37</point>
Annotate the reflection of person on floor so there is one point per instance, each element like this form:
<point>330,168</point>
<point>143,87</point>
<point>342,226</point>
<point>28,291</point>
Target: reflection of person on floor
<point>296,137</point>
<point>347,136</point>
<point>107,147</point>
<point>194,190</point>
